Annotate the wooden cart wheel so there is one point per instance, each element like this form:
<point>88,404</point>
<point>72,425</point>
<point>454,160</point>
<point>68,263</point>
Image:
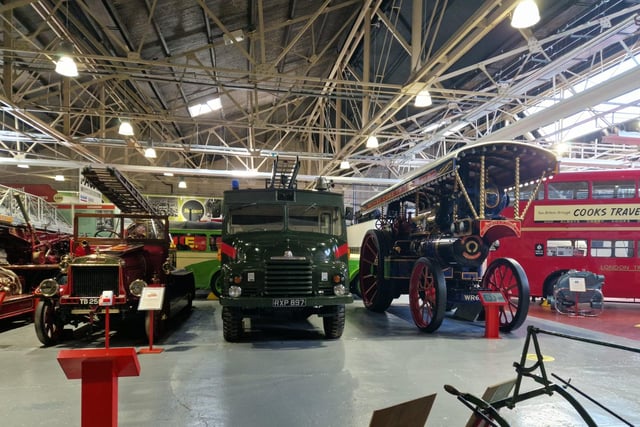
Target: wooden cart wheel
<point>506,275</point>
<point>427,295</point>
<point>47,323</point>
<point>376,291</point>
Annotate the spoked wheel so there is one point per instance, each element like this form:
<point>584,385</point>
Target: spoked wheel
<point>427,295</point>
<point>506,275</point>
<point>376,291</point>
<point>334,324</point>
<point>47,323</point>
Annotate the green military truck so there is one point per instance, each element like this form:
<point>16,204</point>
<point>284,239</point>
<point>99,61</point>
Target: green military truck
<point>284,254</point>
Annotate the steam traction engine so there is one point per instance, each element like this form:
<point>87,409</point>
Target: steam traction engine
<point>435,230</point>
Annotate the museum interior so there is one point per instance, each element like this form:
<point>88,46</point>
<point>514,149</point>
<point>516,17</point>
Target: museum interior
<point>320,212</point>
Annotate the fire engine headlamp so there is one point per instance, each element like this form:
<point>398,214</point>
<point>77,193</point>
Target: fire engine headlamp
<point>235,291</point>
<point>340,290</point>
<point>49,287</point>
<point>64,262</point>
<point>137,286</point>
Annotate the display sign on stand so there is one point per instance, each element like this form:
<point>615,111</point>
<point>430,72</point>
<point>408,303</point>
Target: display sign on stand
<point>151,300</point>
<point>106,301</point>
<point>492,301</point>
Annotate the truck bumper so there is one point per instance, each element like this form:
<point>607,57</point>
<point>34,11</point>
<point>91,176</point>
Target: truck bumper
<point>285,302</point>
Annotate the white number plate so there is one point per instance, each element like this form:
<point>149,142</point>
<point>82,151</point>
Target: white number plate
<point>289,302</point>
<point>89,301</point>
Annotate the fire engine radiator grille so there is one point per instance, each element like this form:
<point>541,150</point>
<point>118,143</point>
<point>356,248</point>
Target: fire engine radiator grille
<point>284,278</point>
<point>91,281</point>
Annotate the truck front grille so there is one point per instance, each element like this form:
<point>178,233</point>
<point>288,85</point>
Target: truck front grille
<point>288,277</point>
<point>90,281</point>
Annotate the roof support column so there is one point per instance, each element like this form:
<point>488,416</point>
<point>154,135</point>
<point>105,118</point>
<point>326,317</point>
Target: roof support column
<point>416,34</point>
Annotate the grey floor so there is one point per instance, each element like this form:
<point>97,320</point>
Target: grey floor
<point>290,376</point>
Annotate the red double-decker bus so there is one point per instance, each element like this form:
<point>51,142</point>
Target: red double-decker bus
<point>583,221</point>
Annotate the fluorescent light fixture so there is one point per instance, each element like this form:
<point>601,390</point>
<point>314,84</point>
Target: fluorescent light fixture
<point>525,15</point>
<point>237,36</point>
<point>59,178</point>
<point>455,128</point>
<point>208,106</point>
<point>21,158</point>
<point>168,174</point>
<point>182,183</point>
<point>344,164</point>
<point>433,126</point>
<point>372,142</point>
<point>150,153</point>
<point>247,173</point>
<point>423,98</point>
<point>125,128</point>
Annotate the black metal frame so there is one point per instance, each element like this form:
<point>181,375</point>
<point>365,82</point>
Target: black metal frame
<point>488,411</point>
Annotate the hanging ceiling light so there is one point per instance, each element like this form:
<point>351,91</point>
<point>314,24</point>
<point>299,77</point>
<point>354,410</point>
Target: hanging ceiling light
<point>525,15</point>
<point>182,183</point>
<point>423,99</point>
<point>372,142</point>
<point>125,128</point>
<point>21,158</point>
<point>65,65</point>
<point>59,178</point>
<point>344,164</point>
<point>150,153</point>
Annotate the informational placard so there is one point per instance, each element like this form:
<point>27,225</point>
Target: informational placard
<point>151,298</point>
<point>488,297</point>
<point>577,284</point>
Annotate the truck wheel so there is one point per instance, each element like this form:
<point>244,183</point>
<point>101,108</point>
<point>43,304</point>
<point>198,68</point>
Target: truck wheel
<point>47,323</point>
<point>232,324</point>
<point>216,283</point>
<point>375,289</point>
<point>334,324</point>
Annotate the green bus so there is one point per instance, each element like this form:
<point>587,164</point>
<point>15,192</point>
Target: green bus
<point>196,246</point>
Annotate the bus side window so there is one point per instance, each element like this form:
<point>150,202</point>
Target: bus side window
<point>623,249</point>
<point>601,248</point>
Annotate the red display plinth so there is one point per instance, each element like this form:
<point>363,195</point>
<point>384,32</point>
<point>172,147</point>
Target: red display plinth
<point>492,301</point>
<point>99,370</point>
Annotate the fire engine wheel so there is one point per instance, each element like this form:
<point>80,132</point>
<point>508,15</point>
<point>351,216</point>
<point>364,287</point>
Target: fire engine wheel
<point>334,324</point>
<point>376,291</point>
<point>47,323</point>
<point>232,324</point>
<point>216,283</point>
<point>506,275</point>
<point>427,295</point>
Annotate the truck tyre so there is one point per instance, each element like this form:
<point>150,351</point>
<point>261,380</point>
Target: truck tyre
<point>47,323</point>
<point>334,324</point>
<point>231,324</point>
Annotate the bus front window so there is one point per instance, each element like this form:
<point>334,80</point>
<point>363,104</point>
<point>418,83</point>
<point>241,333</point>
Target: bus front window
<point>251,217</point>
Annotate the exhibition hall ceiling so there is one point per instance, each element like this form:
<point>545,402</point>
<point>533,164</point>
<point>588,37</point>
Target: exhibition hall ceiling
<point>309,79</point>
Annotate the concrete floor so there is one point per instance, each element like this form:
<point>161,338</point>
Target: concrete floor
<point>288,375</point>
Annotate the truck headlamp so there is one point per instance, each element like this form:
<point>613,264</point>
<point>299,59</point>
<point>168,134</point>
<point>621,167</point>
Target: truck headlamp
<point>340,290</point>
<point>235,291</point>
<point>136,287</point>
<point>49,287</point>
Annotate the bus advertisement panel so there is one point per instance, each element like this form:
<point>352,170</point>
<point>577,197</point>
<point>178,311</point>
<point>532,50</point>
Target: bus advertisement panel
<point>581,221</point>
<point>196,245</point>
